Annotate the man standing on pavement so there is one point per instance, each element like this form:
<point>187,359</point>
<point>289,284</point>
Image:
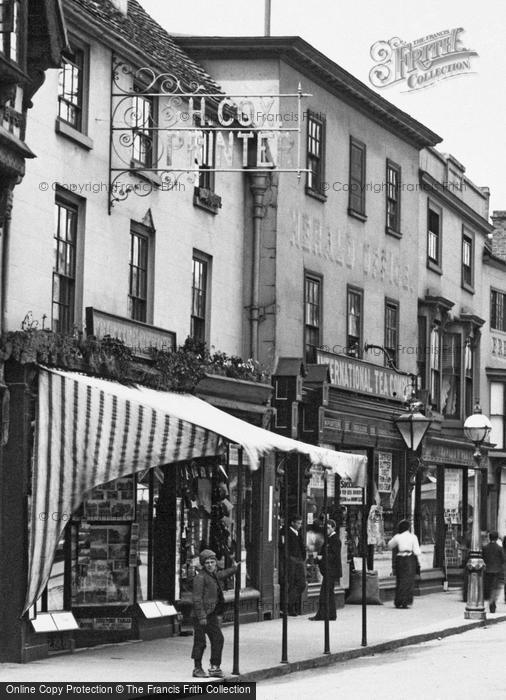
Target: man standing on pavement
<point>493,556</point>
<point>331,570</point>
<point>208,607</point>
<point>296,565</point>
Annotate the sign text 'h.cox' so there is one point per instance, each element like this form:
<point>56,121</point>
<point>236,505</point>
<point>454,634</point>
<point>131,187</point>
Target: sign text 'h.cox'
<point>163,129</point>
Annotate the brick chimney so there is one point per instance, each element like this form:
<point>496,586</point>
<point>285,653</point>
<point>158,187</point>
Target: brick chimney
<point>499,235</point>
<point>121,6</point>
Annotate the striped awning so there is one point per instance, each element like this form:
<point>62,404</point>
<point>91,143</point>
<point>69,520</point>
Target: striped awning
<point>91,431</point>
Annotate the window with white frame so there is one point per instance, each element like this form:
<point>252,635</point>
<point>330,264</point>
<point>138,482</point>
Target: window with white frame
<point>71,86</point>
<point>315,154</point>
<point>143,141</point>
<point>451,375</point>
<point>391,332</point>
<point>354,322</point>
<point>435,367</point>
<point>199,322</point>
<point>497,307</point>
<point>434,216</point>
<point>497,414</point>
<point>64,266</point>
<point>139,273</point>
<point>467,261</point>
<point>312,316</point>
<point>10,29</point>
<point>393,198</point>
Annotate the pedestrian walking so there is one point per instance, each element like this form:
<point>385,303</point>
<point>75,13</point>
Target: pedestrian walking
<point>208,607</point>
<point>407,563</point>
<point>331,570</point>
<point>493,556</point>
<point>296,565</point>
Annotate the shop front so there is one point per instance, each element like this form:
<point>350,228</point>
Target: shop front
<point>348,405</point>
<point>127,486</point>
<point>444,505</point>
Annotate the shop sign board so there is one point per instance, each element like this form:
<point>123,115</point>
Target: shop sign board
<point>351,495</point>
<point>364,377</point>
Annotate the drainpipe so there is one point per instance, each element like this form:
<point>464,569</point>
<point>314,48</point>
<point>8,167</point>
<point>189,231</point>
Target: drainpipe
<point>258,186</point>
<point>5,219</point>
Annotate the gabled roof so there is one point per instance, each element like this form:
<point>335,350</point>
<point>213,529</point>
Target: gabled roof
<point>139,31</point>
<point>298,53</point>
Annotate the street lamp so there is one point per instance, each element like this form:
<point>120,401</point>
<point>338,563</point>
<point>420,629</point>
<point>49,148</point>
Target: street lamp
<point>476,429</point>
<point>413,425</point>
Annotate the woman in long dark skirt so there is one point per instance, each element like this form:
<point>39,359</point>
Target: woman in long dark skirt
<point>406,563</point>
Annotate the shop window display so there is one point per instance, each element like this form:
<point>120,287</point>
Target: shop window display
<point>386,510</point>
<point>207,519</point>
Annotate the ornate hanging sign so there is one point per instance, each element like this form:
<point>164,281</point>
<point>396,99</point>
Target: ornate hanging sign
<point>163,130</point>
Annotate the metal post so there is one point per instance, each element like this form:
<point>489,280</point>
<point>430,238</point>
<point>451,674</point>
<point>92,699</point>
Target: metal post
<point>150,534</point>
<point>475,606</point>
<point>364,570</point>
<point>238,552</point>
<point>326,623</point>
<point>284,642</point>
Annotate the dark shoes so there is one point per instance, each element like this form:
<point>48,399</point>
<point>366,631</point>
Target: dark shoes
<point>199,673</point>
<point>216,672</point>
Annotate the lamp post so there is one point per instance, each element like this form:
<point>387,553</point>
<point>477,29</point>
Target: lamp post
<point>412,427</point>
<point>476,429</point>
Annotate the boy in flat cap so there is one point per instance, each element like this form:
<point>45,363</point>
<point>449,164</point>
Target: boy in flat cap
<point>208,607</point>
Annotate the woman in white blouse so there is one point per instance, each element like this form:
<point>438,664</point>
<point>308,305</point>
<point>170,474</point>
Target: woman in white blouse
<point>406,563</point>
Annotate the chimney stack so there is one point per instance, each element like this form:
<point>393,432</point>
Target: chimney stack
<point>499,235</point>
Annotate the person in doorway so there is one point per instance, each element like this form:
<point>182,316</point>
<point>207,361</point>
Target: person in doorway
<point>493,556</point>
<point>208,607</point>
<point>407,563</point>
<point>331,570</point>
<point>296,565</point>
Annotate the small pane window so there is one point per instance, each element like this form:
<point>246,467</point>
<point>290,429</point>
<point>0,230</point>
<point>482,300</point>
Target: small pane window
<point>467,260</point>
<point>497,305</point>
<point>315,152</point>
<point>312,316</point>
<point>138,287</point>
<point>393,199</point>
<point>391,332</point>
<point>143,134</point>
<point>64,267</point>
<point>433,235</point>
<point>199,299</point>
<point>357,177</point>
<point>70,88</point>
<point>354,318</point>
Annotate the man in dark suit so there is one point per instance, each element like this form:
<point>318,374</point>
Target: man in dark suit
<point>296,565</point>
<point>493,556</point>
<point>332,571</point>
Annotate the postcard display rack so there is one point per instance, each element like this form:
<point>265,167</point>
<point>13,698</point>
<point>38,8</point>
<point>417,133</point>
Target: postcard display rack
<point>104,554</point>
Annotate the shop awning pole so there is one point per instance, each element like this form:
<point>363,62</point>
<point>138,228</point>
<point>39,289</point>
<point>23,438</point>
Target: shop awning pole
<point>284,641</point>
<point>150,534</point>
<point>238,555</point>
<point>364,570</point>
<point>326,592</point>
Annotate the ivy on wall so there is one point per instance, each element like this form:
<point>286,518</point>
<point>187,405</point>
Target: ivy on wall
<point>173,370</point>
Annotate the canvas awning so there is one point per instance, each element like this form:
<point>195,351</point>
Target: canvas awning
<point>91,431</point>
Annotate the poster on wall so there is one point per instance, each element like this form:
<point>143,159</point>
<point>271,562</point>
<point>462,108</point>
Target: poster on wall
<point>384,472</point>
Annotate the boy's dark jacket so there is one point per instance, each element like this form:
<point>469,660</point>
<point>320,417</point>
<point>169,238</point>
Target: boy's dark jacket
<point>207,591</point>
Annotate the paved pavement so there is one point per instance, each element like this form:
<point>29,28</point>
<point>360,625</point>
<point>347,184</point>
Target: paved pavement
<point>168,660</point>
